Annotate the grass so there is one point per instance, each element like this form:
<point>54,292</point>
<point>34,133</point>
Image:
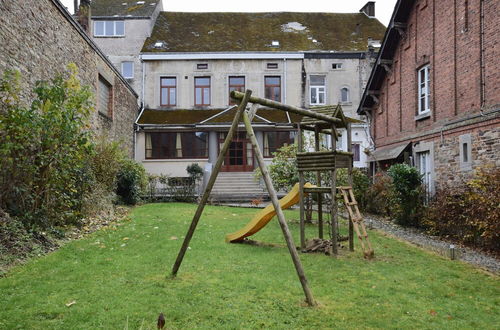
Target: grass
<point>118,278</point>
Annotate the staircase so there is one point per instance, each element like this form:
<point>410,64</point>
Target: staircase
<point>237,187</point>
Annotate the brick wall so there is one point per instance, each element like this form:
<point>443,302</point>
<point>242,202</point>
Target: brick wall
<point>38,39</point>
<point>464,82</point>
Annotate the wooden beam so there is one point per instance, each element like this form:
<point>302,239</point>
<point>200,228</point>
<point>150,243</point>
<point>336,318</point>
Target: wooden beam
<point>211,181</point>
<point>279,212</point>
<point>280,106</point>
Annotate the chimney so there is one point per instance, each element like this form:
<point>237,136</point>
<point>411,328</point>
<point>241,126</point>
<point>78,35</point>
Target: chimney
<point>369,9</point>
<point>83,15</point>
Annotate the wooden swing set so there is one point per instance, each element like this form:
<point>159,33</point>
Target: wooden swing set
<point>317,161</point>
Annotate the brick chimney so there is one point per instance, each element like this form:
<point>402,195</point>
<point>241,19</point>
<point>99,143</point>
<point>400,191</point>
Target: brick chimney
<point>83,15</point>
<point>369,9</point>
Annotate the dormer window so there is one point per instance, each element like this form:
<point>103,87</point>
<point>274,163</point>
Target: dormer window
<point>109,28</point>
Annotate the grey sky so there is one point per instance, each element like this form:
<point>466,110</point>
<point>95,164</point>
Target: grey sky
<point>383,8</point>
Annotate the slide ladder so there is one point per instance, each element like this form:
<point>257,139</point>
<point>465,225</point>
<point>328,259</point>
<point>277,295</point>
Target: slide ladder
<point>357,220</point>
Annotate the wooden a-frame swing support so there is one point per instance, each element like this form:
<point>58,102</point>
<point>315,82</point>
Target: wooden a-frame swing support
<point>242,114</point>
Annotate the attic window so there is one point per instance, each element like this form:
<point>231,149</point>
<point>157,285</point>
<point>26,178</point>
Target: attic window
<point>159,44</point>
<point>275,43</point>
<point>202,66</point>
<point>109,28</point>
<point>140,2</point>
<point>336,66</point>
<point>272,65</point>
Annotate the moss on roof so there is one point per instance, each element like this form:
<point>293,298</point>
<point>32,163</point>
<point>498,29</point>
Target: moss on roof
<point>109,8</point>
<point>190,117</point>
<point>220,32</point>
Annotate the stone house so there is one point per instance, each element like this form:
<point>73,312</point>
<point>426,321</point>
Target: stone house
<point>193,60</point>
<point>40,38</point>
<point>433,95</point>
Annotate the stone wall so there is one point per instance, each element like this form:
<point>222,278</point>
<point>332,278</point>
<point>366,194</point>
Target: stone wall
<point>39,38</point>
<point>485,151</point>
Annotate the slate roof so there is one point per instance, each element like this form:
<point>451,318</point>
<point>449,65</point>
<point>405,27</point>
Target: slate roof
<point>223,32</point>
<point>191,117</point>
<point>132,8</point>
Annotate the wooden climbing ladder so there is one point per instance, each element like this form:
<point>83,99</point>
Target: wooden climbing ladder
<point>357,220</point>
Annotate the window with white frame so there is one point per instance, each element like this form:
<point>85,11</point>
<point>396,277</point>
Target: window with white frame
<point>109,28</point>
<point>317,90</point>
<point>424,90</point>
<point>128,69</point>
<point>344,95</point>
<point>356,150</point>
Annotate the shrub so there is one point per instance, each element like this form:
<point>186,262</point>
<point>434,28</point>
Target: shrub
<point>131,182</point>
<point>469,211</point>
<point>195,171</point>
<point>408,194</point>
<point>44,167</point>
<point>380,195</point>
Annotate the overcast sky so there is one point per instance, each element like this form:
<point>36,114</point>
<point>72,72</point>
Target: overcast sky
<point>383,8</point>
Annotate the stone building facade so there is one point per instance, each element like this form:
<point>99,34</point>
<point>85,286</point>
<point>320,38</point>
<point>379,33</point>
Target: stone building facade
<point>40,38</point>
<point>193,60</point>
<point>433,95</point>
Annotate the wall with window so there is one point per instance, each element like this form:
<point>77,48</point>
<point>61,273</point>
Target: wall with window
<point>122,40</point>
<point>207,84</point>
<point>116,102</point>
<point>171,152</point>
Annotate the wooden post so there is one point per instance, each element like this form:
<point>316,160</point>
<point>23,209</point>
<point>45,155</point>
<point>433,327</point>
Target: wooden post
<point>333,208</point>
<point>318,183</point>
<point>277,105</point>
<point>300,146</point>
<point>281,217</point>
<point>211,181</point>
<point>349,178</point>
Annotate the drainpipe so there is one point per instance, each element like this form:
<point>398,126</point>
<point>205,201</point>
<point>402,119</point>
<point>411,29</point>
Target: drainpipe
<point>284,88</point>
<point>482,81</point>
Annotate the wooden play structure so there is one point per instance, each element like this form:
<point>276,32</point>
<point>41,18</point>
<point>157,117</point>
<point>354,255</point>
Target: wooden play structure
<point>320,121</point>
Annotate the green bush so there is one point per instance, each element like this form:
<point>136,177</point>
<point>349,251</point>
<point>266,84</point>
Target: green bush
<point>380,195</point>
<point>44,167</point>
<point>195,171</point>
<point>408,194</point>
<point>468,212</point>
<point>131,182</point>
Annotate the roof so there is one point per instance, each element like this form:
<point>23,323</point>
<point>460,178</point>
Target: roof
<point>123,8</point>
<point>218,116</point>
<point>329,110</point>
<point>387,153</point>
<point>392,37</point>
<point>223,32</point>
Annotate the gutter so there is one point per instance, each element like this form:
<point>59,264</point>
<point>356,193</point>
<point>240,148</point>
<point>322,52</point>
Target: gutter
<point>221,56</point>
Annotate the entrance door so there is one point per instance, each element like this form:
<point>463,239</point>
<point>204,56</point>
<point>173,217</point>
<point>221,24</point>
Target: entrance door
<point>239,157</point>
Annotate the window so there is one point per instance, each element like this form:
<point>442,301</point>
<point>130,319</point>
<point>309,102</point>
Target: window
<point>202,66</point>
<point>128,69</point>
<point>465,152</point>
<point>236,83</point>
<point>168,91</point>
<point>202,91</point>
<point>336,66</point>
<point>317,90</point>
<point>109,28</point>
<point>105,98</point>
<point>272,88</point>
<point>424,167</point>
<point>163,145</point>
<point>275,140</point>
<point>272,65</point>
<point>423,90</point>
<point>344,95</point>
<point>356,148</point>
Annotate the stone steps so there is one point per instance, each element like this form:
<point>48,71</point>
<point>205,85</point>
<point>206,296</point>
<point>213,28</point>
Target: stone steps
<point>237,186</point>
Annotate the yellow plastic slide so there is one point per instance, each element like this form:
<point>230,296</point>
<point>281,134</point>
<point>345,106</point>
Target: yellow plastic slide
<point>265,215</point>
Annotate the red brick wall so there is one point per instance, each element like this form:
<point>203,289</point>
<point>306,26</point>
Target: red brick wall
<point>445,35</point>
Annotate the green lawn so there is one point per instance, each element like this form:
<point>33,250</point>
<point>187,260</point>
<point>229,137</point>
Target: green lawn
<point>118,278</point>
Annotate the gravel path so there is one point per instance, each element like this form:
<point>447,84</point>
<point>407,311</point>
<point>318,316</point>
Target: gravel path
<point>435,244</point>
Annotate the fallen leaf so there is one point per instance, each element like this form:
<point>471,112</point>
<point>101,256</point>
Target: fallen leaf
<point>173,237</point>
<point>433,312</point>
<point>125,238</point>
<point>450,317</point>
<point>71,303</point>
<point>374,286</point>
